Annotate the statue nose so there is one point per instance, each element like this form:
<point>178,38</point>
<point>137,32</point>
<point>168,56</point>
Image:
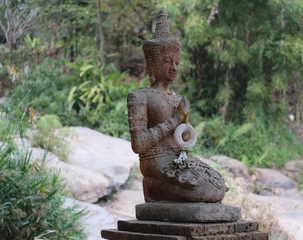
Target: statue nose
<point>174,67</point>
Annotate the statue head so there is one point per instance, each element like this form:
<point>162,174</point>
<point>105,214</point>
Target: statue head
<point>162,52</point>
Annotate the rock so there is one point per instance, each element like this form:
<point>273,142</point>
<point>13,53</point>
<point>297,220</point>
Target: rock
<point>187,212</point>
<point>268,179</point>
<point>294,169</point>
<point>22,143</point>
<point>210,162</point>
<point>98,165</point>
<point>282,215</point>
<point>85,184</point>
<point>98,218</point>
<point>103,154</point>
<point>124,202</point>
<point>2,100</point>
<point>236,167</point>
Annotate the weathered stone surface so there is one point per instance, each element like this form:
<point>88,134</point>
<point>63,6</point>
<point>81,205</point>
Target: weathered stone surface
<point>244,226</point>
<point>241,236</point>
<point>260,236</point>
<point>294,165</point>
<point>187,212</point>
<point>270,178</point>
<point>96,219</point>
<point>236,167</point>
<point>85,184</point>
<point>161,133</point>
<point>123,206</point>
<point>187,229</point>
<point>123,235</point>
<point>212,229</point>
<point>210,162</point>
<point>293,168</point>
<point>98,164</point>
<point>101,153</point>
<point>150,230</point>
<point>164,228</point>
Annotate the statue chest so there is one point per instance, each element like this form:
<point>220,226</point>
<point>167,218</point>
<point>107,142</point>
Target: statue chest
<point>160,108</point>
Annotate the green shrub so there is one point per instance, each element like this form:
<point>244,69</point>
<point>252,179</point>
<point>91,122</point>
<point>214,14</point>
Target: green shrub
<point>114,122</point>
<point>99,97</point>
<point>260,144</point>
<point>46,88</point>
<point>50,135</point>
<point>31,197</point>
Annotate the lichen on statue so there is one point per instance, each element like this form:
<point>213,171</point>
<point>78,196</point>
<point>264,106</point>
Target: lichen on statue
<point>154,113</point>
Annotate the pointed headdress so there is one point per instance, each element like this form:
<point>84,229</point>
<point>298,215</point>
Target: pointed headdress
<point>161,40</point>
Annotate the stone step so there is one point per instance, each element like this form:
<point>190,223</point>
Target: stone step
<point>187,212</point>
<point>236,236</point>
<point>187,229</point>
<point>125,235</point>
<point>114,234</point>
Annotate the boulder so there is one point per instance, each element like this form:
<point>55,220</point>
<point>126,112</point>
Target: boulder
<point>294,169</point>
<point>97,218</point>
<point>124,202</point>
<point>98,165</point>
<point>236,167</point>
<point>284,216</point>
<point>269,179</point>
<point>210,162</point>
<point>103,154</point>
<point>84,184</point>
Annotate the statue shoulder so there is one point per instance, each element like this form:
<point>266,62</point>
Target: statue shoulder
<point>137,98</point>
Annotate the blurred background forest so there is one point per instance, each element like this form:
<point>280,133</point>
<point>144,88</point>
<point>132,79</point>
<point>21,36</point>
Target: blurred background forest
<point>241,68</point>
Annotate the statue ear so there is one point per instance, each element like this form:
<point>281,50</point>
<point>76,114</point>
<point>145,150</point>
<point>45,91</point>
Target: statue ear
<point>150,69</point>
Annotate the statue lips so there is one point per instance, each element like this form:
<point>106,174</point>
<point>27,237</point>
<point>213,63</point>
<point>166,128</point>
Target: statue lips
<point>172,74</point>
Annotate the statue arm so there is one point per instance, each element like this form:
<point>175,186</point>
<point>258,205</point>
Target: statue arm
<point>142,137</point>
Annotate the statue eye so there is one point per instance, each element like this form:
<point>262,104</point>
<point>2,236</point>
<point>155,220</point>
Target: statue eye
<point>167,60</point>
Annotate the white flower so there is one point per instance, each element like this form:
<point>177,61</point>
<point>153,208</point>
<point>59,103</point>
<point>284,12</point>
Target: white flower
<point>185,145</point>
<point>291,117</point>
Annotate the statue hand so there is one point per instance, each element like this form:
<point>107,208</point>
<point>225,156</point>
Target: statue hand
<point>178,116</point>
<point>184,103</point>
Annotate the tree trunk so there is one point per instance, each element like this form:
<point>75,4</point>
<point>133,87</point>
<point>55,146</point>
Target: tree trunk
<point>101,33</point>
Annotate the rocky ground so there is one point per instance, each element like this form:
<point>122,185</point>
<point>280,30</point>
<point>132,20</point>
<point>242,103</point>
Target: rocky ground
<point>103,167</point>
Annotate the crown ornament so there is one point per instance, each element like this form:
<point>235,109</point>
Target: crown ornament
<point>161,39</point>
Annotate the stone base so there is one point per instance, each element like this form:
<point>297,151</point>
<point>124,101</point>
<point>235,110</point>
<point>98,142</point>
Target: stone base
<point>154,230</point>
<point>187,212</point>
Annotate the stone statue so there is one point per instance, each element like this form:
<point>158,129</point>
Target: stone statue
<point>161,134</point>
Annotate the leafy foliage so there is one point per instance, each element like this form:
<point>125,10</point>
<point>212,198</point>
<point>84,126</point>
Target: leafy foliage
<point>47,89</point>
<point>256,144</point>
<point>240,61</point>
<point>101,90</point>
<point>239,53</point>
<point>31,197</point>
<point>49,135</point>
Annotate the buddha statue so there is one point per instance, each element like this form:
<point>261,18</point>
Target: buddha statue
<point>160,131</point>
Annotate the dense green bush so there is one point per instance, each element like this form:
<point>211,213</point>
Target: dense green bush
<point>239,57</point>
<point>46,87</point>
<point>49,134</point>
<point>99,97</point>
<point>31,197</point>
<point>259,144</point>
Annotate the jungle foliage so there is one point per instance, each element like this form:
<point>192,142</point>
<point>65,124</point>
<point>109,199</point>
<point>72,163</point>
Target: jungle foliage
<point>31,197</point>
<point>241,61</point>
<point>240,68</point>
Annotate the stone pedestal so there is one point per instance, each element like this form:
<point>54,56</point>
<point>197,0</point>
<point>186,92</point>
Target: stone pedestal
<point>187,212</point>
<point>185,221</point>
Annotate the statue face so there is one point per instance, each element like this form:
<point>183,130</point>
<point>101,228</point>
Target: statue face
<point>166,66</point>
